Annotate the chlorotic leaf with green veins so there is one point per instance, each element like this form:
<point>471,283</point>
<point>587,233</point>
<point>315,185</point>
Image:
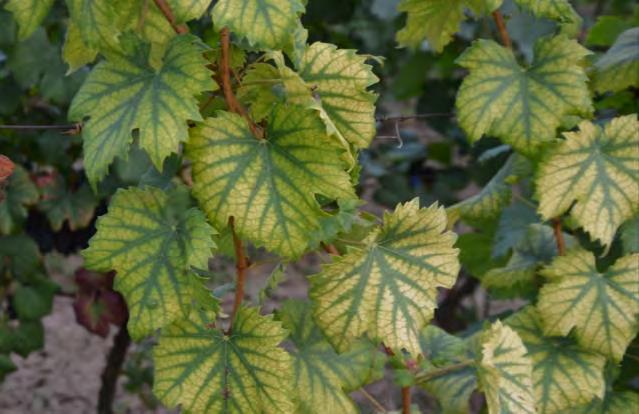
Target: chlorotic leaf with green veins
<point>618,68</point>
<point>75,52</point>
<point>435,20</point>
<point>388,287</point>
<point>96,21</point>
<point>564,375</point>
<point>602,308</point>
<point>615,402</point>
<point>322,377</point>
<point>599,169</point>
<point>453,388</point>
<point>61,204</point>
<point>268,185</point>
<point>29,14</point>
<point>205,370</point>
<point>559,10</point>
<point>266,24</point>
<point>523,106</point>
<point>505,371</point>
<point>127,93</point>
<point>151,241</point>
<point>20,192</point>
<point>339,79</point>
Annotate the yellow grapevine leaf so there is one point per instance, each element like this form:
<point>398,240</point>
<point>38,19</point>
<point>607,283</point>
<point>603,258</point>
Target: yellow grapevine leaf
<point>322,377</point>
<point>29,14</point>
<point>151,240</point>
<point>74,51</point>
<point>618,68</point>
<point>206,371</point>
<point>559,10</point>
<point>268,186</point>
<point>523,106</point>
<point>599,169</point>
<point>505,372</point>
<point>615,402</point>
<point>564,375</point>
<point>266,24</point>
<point>601,307</point>
<point>388,287</point>
<point>126,93</point>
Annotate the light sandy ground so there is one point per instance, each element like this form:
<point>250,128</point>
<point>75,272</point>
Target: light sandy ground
<point>64,377</point>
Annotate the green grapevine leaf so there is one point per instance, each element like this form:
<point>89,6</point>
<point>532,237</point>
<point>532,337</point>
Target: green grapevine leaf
<point>33,302</point>
<point>322,377</point>
<point>437,20</point>
<point>151,242</point>
<point>559,10</point>
<point>453,388</point>
<point>19,256</point>
<point>599,169</point>
<point>74,51</point>
<point>388,287</point>
<point>523,106</point>
<point>505,371</point>
<point>206,371</point>
<point>537,248</point>
<point>61,204</point>
<point>339,79</point>
<point>126,93</point>
<point>266,24</point>
<point>630,236</point>
<point>564,375</point>
<point>29,14</point>
<point>6,366</point>
<point>20,192</point>
<point>268,185</point>
<point>601,307</point>
<point>513,227</point>
<point>618,68</point>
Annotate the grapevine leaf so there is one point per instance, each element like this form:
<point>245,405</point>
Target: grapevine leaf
<point>489,202</point>
<point>29,14</point>
<point>20,192</point>
<point>19,256</point>
<point>206,371</point>
<point>564,375</point>
<point>266,24</point>
<point>559,10</point>
<point>505,371</point>
<point>618,68</point>
<point>185,10</point>
<point>513,227</point>
<point>151,242</point>
<point>96,21</point>
<point>96,305</point>
<point>61,204</point>
<point>339,79</point>
<point>454,388</point>
<point>538,247</point>
<point>523,106</point>
<point>126,93</point>
<point>388,288</point>
<point>601,307</point>
<point>74,51</point>
<point>630,236</point>
<point>599,169</point>
<point>322,376</point>
<point>6,366</point>
<point>269,185</point>
<point>614,402</point>
<point>32,302</point>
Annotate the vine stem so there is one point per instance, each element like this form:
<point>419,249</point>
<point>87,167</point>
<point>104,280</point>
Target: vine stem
<point>443,371</point>
<point>241,265</point>
<point>109,377</point>
<point>232,102</point>
<point>168,14</point>
<point>405,400</point>
<point>501,27</point>
<point>373,401</point>
<point>559,236</point>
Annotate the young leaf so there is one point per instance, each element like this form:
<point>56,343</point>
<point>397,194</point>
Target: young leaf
<point>322,377</point>
<point>151,241</point>
<point>29,14</point>
<point>126,92</point>
<point>453,388</point>
<point>61,204</point>
<point>19,193</point>
<point>206,371</point>
<point>599,169</point>
<point>266,24</point>
<point>268,185</point>
<point>505,371</point>
<point>618,68</point>
<point>564,374</point>
<point>559,10</point>
<point>523,106</point>
<point>601,307</point>
<point>388,288</point>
